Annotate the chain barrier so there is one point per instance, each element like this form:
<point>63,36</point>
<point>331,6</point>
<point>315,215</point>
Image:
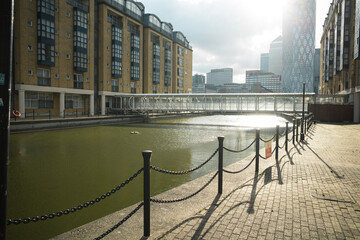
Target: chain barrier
<point>273,150</point>
<point>283,145</point>
<point>290,139</point>
<point>239,151</point>
<point>262,157</point>
<point>184,172</point>
<point>227,171</point>
<point>74,209</point>
<point>120,222</point>
<point>185,198</point>
<point>269,139</point>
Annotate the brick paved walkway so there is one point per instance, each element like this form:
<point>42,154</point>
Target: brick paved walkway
<point>316,195</point>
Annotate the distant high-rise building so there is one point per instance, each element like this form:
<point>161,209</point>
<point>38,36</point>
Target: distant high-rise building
<point>317,70</point>
<point>298,45</point>
<point>198,84</point>
<point>275,56</point>
<point>267,80</point>
<point>264,62</point>
<point>219,77</point>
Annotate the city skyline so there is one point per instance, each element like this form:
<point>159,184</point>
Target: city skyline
<point>237,40</point>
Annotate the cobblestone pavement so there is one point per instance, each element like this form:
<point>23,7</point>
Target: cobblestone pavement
<point>312,193</point>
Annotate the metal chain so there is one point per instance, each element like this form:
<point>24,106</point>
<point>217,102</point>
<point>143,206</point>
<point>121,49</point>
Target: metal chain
<point>185,198</point>
<point>262,157</point>
<point>239,151</point>
<point>273,150</point>
<point>290,139</point>
<point>74,209</point>
<point>241,169</point>
<point>184,172</point>
<point>282,145</point>
<point>120,222</point>
<point>269,139</point>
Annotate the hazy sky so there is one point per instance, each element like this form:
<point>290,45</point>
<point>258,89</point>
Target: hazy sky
<point>230,33</point>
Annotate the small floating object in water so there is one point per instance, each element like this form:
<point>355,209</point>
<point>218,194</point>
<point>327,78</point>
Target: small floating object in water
<point>134,132</point>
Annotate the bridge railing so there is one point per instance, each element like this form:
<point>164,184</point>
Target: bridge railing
<point>227,102</point>
<point>294,132</point>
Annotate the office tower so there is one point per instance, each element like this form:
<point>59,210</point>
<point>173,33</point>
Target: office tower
<point>267,80</point>
<point>298,45</point>
<point>275,56</point>
<point>219,77</point>
<point>317,70</point>
<point>264,62</point>
<point>198,84</point>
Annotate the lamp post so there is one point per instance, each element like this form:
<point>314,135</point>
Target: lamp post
<point>302,136</point>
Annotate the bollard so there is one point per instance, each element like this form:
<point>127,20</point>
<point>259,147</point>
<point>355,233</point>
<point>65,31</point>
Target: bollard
<point>147,157</point>
<point>297,130</point>
<point>277,144</point>
<point>257,151</point>
<point>305,126</point>
<point>286,136</point>
<point>293,139</point>
<point>33,114</point>
<point>49,114</point>
<point>220,179</point>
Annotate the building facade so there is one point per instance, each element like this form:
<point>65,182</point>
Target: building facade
<point>298,45</point>
<point>78,56</point>
<point>219,77</point>
<point>267,80</point>
<point>340,62</point>
<point>264,62</point>
<point>198,83</point>
<point>275,56</point>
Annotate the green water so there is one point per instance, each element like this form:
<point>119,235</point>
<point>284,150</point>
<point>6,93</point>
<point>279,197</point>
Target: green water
<point>55,170</point>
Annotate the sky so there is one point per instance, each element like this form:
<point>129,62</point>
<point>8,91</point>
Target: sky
<point>230,33</point>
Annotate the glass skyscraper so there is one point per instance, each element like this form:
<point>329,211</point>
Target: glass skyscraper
<point>299,18</point>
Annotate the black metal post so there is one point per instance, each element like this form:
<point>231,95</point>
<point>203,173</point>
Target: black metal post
<point>305,126</point>
<point>76,113</point>
<point>297,130</point>
<point>293,132</point>
<point>302,136</point>
<point>64,113</point>
<point>257,150</point>
<point>286,136</point>
<point>49,114</point>
<point>277,143</point>
<point>220,169</point>
<point>33,114</point>
<point>147,157</point>
<point>6,84</point>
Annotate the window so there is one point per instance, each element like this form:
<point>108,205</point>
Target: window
<point>180,51</point>
<point>180,72</point>
<point>180,61</point>
<point>116,102</point>
<point>154,89</point>
<point>78,81</point>
<point>67,56</point>
<point>133,8</point>
<point>135,57</point>
<point>114,85</point>
<point>46,54</point>
<point>30,72</point>
<point>29,23</point>
<point>46,28</point>
<point>80,40</point>
<point>44,78</point>
<point>37,100</point>
<point>30,48</point>
<point>56,76</point>
<point>156,64</point>
<point>74,101</point>
<point>133,87</point>
<point>180,82</point>
<point>116,51</point>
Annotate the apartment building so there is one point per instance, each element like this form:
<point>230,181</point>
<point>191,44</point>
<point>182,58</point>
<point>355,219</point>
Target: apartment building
<point>79,56</point>
<point>340,65</point>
